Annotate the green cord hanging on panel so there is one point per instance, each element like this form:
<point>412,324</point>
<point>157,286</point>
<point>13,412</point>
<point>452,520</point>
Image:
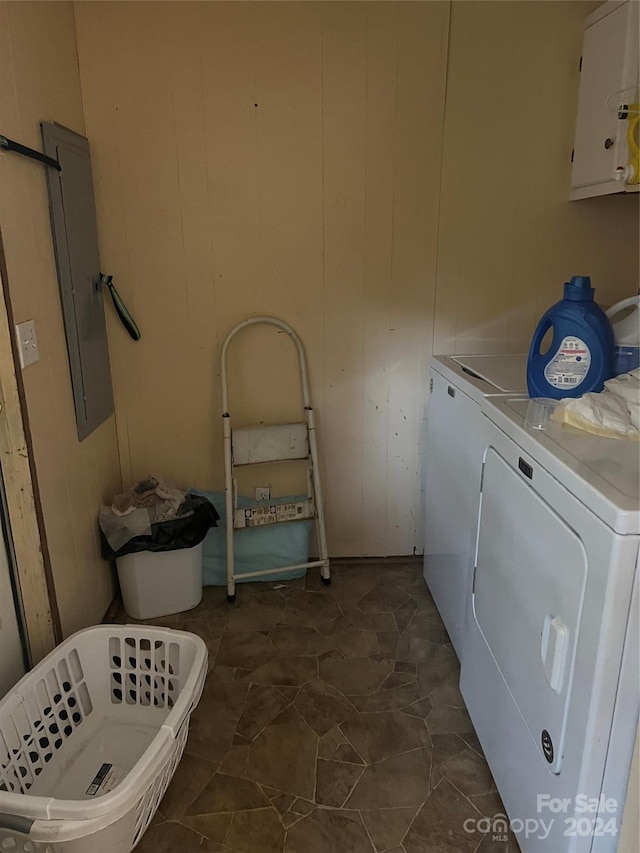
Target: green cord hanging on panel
<point>121,309</point>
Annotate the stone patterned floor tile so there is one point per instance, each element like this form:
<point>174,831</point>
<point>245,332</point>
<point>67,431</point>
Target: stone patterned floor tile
<point>442,719</point>
<point>355,676</point>
<point>283,756</point>
<point>403,615</point>
<point>427,628</point>
<point>245,649</point>
<point>378,622</point>
<point>326,831</point>
<point>302,807</point>
<point>223,673</point>
<point>440,824</point>
<point>394,699</point>
<point>228,794</point>
<point>169,837</point>
<point>286,672</point>
<point>222,699</point>
<point>212,826</point>
<point>190,779</point>
<point>399,781</point>
<point>437,671</point>
<point>322,706</point>
<point>471,739</point>
<point>259,831</point>
<point>383,598</point>
<point>263,704</point>
<point>290,818</point>
<point>347,754</point>
<point>445,746</point>
<point>419,709</point>
<point>331,722</point>
<point>330,742</point>
<point>335,781</point>
<point>387,827</point>
<point>289,693</point>
<point>388,643</point>
<point>282,803</point>
<point>489,804</point>
<point>386,733</point>
<point>447,694</point>
<point>291,640</point>
<point>469,773</point>
<point>235,761</point>
<point>349,586</point>
<point>238,740</point>
<point>258,618</point>
<point>355,643</point>
<point>210,737</point>
<point>312,607</point>
<point>417,649</point>
<point>398,679</point>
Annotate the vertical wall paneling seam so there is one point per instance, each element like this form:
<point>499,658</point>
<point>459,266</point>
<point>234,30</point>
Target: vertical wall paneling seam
<point>323,472</point>
<point>364,270</point>
<point>391,273</point>
<point>256,124</point>
<point>550,140</point>
<point>181,206</point>
<point>458,285</point>
<point>212,273</point>
<point>446,44</point>
<point>213,278</point>
<point>445,41</point>
<point>122,416</point>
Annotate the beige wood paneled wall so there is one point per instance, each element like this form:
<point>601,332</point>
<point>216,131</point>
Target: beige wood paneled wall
<point>298,159</point>
<point>278,158</point>
<point>508,237</point>
<point>39,80</point>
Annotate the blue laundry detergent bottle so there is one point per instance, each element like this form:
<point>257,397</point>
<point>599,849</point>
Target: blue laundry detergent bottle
<point>581,354</point>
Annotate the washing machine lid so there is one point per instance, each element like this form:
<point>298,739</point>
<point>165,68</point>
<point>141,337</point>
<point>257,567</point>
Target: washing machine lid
<point>603,473</point>
<point>482,376</point>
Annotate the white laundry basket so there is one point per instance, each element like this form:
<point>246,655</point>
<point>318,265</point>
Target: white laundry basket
<point>90,738</point>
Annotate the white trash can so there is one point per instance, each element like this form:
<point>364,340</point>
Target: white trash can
<point>158,583</point>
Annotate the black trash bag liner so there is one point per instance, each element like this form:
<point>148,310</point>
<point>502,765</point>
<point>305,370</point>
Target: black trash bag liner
<point>185,531</point>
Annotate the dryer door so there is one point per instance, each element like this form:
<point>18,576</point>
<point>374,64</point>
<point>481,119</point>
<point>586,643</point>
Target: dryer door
<point>529,590</point>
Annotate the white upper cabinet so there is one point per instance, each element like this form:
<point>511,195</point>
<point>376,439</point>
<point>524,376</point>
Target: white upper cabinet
<point>609,79</point>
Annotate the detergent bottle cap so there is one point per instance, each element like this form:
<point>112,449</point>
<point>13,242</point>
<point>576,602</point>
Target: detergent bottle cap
<point>579,289</point>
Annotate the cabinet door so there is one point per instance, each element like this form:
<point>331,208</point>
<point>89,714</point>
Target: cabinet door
<point>609,65</point>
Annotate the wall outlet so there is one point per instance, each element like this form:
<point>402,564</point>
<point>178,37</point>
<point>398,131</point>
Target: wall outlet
<point>27,343</point>
<point>262,493</point>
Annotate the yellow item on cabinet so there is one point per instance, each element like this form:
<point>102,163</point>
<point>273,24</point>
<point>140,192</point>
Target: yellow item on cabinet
<point>633,120</point>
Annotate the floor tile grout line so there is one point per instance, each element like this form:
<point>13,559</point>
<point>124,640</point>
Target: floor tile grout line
<point>374,847</point>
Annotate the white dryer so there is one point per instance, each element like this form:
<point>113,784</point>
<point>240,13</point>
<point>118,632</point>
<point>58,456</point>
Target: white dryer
<point>550,671</point>
<point>453,459</point>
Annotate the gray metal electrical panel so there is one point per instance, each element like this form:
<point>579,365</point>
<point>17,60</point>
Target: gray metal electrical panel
<point>75,240</point>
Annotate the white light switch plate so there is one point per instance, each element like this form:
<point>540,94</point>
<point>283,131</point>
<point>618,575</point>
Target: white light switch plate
<point>27,343</point>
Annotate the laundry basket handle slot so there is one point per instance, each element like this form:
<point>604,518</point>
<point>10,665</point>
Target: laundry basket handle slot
<point>16,823</point>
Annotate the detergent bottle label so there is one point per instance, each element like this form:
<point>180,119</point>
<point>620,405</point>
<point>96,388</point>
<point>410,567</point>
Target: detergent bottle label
<point>570,365</point>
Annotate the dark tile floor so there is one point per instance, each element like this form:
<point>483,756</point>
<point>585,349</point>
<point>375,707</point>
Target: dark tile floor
<point>331,722</point>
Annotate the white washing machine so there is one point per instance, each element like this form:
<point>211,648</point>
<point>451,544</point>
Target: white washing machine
<point>550,670</point>
<point>453,458</point>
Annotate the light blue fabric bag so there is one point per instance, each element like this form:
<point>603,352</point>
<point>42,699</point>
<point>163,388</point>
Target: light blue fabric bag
<point>258,548</point>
